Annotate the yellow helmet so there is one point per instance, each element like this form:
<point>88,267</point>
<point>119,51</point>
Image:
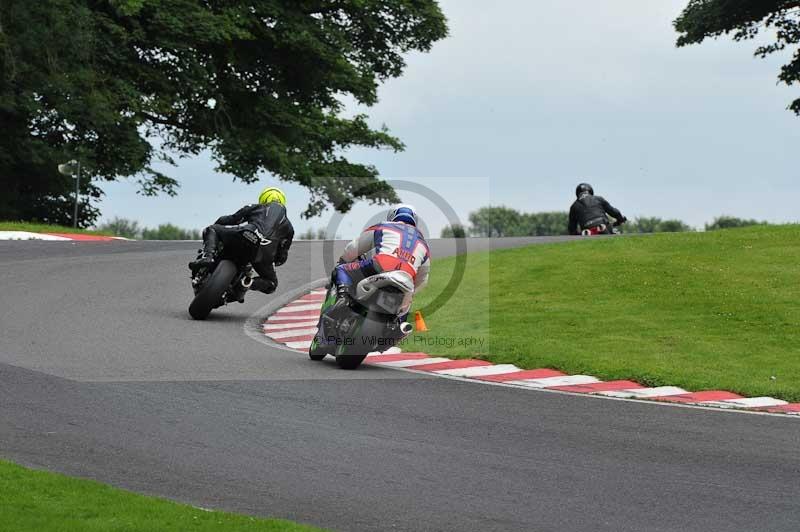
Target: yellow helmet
<point>270,194</point>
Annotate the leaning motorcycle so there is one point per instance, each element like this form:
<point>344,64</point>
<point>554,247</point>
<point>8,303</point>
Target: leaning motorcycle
<point>228,278</point>
<point>603,229</point>
<point>373,322</point>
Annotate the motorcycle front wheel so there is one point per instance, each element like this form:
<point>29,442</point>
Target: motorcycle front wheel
<point>210,296</point>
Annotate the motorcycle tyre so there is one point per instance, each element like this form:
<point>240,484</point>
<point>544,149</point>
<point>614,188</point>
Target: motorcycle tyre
<point>210,296</point>
<point>371,327</point>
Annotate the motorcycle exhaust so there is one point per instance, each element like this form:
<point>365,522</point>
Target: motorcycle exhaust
<point>247,282</point>
<point>406,328</point>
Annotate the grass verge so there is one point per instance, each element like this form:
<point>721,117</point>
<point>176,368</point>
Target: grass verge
<point>716,310</point>
<point>46,502</point>
<point>46,228</point>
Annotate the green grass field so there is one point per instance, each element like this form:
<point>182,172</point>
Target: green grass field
<point>36,501</point>
<point>45,228</point>
<point>716,310</point>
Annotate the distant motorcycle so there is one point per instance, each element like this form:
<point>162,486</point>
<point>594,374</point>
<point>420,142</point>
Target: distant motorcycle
<point>228,279</point>
<point>603,229</point>
<point>374,322</point>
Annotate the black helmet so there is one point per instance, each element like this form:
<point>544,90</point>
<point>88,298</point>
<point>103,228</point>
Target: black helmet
<point>584,188</point>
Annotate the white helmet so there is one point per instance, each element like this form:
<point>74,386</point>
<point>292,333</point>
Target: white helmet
<point>403,213</point>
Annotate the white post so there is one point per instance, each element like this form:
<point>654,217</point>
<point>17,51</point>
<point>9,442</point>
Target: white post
<point>77,195</point>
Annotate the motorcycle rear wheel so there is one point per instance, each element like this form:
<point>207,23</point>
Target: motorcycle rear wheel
<point>210,296</point>
<point>316,352</point>
<point>371,329</point>
<point>350,361</point>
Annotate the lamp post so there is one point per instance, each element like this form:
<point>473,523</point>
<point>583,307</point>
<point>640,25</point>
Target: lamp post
<point>73,168</point>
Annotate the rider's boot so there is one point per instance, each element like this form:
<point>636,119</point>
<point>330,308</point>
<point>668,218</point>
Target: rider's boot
<point>341,307</point>
<point>208,253</point>
<point>204,260</point>
<point>264,285</point>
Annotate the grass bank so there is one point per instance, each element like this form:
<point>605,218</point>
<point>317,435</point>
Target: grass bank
<point>716,310</point>
<point>36,501</point>
<point>46,228</point>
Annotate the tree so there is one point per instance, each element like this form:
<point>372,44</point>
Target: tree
<point>674,226</point>
<point>454,231</point>
<point>502,221</point>
<point>744,19</point>
<point>170,232</point>
<point>313,234</point>
<point>731,222</point>
<point>495,222</point>
<point>544,224</point>
<point>656,225</point>
<point>122,227</point>
<point>121,84</point>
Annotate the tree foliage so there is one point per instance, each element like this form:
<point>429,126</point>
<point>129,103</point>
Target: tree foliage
<point>122,227</point>
<point>122,84</point>
<point>503,222</point>
<point>545,223</point>
<point>170,232</point>
<point>454,231</point>
<point>744,19</point>
<point>731,222</point>
<point>320,233</point>
<point>131,229</point>
<point>495,222</point>
<point>656,225</point>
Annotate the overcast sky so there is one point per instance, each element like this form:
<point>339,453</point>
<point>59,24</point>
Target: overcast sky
<point>525,99</point>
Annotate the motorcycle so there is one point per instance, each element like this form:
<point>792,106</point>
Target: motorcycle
<point>603,229</point>
<point>228,279</point>
<point>372,322</point>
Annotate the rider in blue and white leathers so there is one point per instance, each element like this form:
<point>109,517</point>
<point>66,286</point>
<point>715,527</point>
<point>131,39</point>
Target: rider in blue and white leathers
<point>396,244</point>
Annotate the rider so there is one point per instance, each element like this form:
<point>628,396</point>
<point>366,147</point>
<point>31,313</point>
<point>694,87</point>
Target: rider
<point>591,213</point>
<point>267,220</point>
<point>396,244</point>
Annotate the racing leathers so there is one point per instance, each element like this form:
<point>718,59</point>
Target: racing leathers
<point>589,212</point>
<point>383,247</point>
<point>274,230</point>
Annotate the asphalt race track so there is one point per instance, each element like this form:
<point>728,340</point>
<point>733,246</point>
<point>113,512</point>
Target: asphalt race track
<point>103,376</point>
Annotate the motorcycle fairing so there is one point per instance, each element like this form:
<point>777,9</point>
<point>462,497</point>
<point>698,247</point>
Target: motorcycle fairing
<point>397,279</point>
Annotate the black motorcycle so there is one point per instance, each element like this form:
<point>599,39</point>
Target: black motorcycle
<point>228,279</point>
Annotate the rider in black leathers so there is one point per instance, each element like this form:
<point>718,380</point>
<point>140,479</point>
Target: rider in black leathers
<point>590,211</point>
<point>269,222</point>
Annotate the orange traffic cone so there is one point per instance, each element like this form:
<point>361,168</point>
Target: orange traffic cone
<point>419,322</point>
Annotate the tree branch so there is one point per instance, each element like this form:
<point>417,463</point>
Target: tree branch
<point>158,120</point>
